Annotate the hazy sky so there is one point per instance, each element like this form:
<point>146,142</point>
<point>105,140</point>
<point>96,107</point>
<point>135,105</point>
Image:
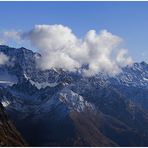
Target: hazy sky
<point>128,20</point>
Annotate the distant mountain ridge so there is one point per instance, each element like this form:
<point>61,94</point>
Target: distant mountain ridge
<point>60,108</point>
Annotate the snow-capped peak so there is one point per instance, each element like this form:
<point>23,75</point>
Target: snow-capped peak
<point>74,101</point>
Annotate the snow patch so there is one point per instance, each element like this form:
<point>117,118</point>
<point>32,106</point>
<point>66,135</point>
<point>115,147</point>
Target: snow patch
<point>74,101</point>
<point>7,79</point>
<point>26,77</point>
<point>5,103</point>
<point>145,79</point>
<point>6,83</point>
<point>43,84</point>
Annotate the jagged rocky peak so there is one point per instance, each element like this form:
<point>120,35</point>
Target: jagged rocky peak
<point>143,63</point>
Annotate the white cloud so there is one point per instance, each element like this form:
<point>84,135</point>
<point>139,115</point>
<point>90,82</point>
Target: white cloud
<point>3,58</point>
<point>2,41</point>
<point>57,45</point>
<point>12,35</point>
<point>122,59</point>
<point>60,48</point>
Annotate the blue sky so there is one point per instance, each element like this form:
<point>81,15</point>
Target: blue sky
<point>129,20</point>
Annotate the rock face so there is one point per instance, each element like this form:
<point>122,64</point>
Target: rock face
<point>9,136</point>
<point>60,108</point>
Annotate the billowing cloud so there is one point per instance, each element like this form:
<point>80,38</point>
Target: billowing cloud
<point>60,48</point>
<point>122,59</point>
<point>55,43</point>
<point>3,58</point>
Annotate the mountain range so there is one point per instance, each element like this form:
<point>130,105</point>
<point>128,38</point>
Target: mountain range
<point>56,107</point>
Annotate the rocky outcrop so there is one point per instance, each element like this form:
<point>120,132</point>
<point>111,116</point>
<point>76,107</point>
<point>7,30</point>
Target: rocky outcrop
<point>9,136</point>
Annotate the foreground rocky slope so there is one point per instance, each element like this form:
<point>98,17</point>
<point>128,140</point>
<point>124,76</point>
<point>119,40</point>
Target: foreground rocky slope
<point>9,136</point>
<point>60,108</point>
